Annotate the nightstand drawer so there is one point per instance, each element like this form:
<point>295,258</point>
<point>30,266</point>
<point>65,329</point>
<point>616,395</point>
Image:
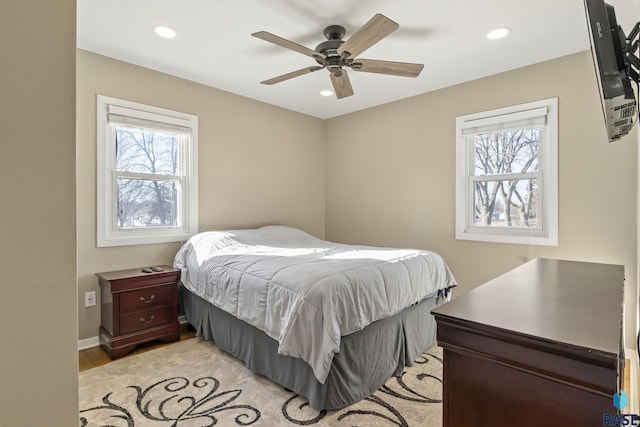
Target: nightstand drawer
<point>146,298</point>
<point>137,307</point>
<point>140,320</point>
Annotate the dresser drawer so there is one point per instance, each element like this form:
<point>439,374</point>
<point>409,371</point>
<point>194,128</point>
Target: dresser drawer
<point>146,319</point>
<point>145,298</point>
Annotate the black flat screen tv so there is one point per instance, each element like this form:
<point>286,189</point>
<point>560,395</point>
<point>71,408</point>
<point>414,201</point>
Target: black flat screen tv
<point>610,51</point>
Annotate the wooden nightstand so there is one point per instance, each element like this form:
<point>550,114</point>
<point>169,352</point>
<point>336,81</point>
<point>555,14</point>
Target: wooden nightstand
<point>138,307</point>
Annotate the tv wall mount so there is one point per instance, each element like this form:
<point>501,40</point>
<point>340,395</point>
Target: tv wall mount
<point>631,53</point>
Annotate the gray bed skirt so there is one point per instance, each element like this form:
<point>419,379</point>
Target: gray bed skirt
<point>366,359</point>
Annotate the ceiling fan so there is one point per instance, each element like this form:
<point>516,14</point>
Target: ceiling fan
<point>336,54</point>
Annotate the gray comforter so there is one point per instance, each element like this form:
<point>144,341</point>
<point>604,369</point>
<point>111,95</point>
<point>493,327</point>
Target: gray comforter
<point>304,292</point>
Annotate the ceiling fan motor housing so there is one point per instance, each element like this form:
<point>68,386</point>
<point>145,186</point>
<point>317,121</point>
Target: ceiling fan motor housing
<point>334,35</point>
<point>329,48</point>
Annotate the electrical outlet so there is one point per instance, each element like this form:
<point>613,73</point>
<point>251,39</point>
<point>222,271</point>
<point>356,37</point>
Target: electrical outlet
<point>90,299</point>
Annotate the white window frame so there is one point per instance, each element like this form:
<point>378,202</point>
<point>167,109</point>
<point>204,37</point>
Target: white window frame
<point>547,177</point>
<point>108,232</point>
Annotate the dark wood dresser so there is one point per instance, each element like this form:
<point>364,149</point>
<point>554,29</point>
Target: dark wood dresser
<point>538,346</point>
<point>138,307</point>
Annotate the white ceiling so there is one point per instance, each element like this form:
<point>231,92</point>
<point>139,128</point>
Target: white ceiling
<point>214,44</point>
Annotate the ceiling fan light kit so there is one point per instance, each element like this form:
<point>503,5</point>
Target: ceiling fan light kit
<point>336,54</point>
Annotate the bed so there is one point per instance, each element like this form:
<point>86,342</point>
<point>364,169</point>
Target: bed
<point>329,321</point>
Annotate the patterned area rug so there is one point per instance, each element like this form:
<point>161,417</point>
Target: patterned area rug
<point>193,383</point>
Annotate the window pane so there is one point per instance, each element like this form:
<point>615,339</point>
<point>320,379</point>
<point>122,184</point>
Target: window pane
<point>508,151</point>
<point>146,150</point>
<point>506,203</point>
<point>147,203</point>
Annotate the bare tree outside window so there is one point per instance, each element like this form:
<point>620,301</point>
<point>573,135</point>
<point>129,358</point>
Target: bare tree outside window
<point>505,178</point>
<point>147,173</point>
<point>147,163</point>
<point>507,174</point>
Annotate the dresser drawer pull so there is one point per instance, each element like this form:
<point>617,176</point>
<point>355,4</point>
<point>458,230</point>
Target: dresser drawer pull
<point>153,316</point>
<point>147,301</point>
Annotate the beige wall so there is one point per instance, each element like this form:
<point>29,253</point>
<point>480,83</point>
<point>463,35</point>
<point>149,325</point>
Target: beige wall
<point>389,171</point>
<point>391,175</point>
<point>38,354</point>
<point>389,181</point>
<point>258,164</point>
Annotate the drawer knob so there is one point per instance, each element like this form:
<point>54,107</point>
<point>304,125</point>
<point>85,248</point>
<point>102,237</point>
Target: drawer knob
<point>142,320</point>
<point>147,301</point>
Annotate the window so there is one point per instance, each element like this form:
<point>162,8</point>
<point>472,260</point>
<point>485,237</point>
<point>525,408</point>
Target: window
<point>147,174</point>
<point>507,174</point>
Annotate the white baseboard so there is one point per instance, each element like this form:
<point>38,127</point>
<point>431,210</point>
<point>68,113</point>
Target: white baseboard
<point>632,356</point>
<point>95,341</point>
<point>88,343</point>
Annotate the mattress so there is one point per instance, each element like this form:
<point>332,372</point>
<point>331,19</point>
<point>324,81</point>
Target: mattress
<point>307,293</point>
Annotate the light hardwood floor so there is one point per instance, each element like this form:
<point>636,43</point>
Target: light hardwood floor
<point>95,356</point>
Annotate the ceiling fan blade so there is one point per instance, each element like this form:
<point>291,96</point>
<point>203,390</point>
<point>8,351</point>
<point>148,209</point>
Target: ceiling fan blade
<point>272,38</point>
<point>341,85</point>
<point>291,75</point>
<point>404,69</point>
<point>369,34</point>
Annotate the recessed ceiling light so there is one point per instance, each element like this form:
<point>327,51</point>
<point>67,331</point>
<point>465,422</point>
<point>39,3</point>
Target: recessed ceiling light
<point>165,32</point>
<point>326,93</point>
<point>498,33</point>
